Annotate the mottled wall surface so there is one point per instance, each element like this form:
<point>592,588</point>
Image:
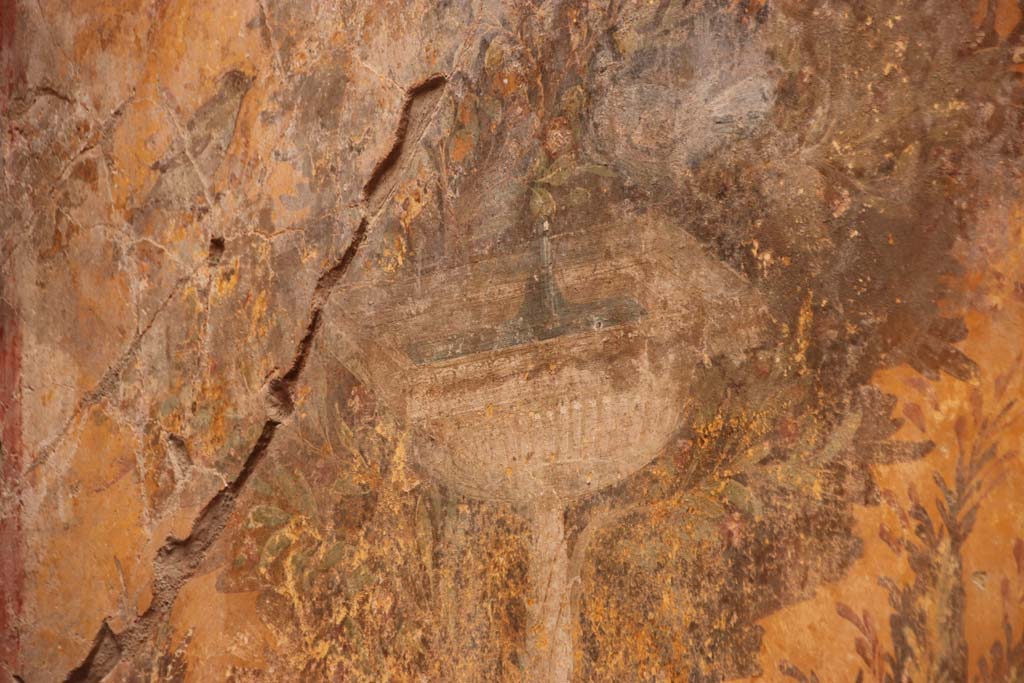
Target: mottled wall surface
<point>476,340</point>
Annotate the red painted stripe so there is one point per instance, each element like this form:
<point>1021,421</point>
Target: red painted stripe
<point>11,540</point>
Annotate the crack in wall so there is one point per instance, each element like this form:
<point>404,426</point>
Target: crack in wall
<point>178,559</point>
<point>376,186</point>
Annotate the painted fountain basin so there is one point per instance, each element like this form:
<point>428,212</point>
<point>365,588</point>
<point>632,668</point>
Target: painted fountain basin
<point>553,371</point>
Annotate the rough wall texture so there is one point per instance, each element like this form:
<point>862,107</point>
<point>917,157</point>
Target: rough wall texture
<point>474,340</point>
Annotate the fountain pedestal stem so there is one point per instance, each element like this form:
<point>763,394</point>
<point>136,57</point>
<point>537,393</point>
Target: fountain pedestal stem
<point>549,621</point>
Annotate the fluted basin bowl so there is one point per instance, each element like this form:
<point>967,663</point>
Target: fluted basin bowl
<point>553,371</point>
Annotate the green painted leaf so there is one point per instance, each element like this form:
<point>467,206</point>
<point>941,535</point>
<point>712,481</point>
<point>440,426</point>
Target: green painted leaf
<point>274,546</point>
<point>268,516</point>
<point>598,169</point>
<point>359,579</point>
<point>541,202</point>
<point>559,172</point>
<point>742,498</point>
<point>333,556</point>
<point>345,487</point>
<point>294,486</point>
